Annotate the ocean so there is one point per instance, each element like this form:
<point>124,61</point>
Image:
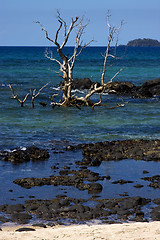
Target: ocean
<point>52,129</point>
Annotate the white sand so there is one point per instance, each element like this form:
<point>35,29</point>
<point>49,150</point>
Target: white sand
<point>126,231</point>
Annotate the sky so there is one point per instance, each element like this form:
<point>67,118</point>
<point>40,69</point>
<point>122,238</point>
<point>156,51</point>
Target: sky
<point>141,20</point>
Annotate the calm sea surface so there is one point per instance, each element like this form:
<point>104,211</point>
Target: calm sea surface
<point>26,68</point>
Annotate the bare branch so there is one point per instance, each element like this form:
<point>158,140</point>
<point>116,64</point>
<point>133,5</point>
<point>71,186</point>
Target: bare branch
<point>118,105</point>
<point>16,96</point>
<point>78,47</point>
<point>121,69</point>
<point>51,57</point>
<point>72,25</point>
<point>25,98</point>
<point>98,103</point>
<point>62,22</point>
<point>34,95</point>
<point>112,30</point>
<point>13,95</point>
<point>46,33</point>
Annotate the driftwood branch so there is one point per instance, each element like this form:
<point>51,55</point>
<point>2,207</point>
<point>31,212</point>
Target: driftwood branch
<point>16,96</point>
<point>34,94</point>
<point>98,103</point>
<point>118,105</point>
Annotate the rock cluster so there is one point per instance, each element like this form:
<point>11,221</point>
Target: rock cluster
<point>63,207</point>
<point>30,153</point>
<point>149,89</point>
<point>67,178</point>
<point>154,181</point>
<point>117,150</point>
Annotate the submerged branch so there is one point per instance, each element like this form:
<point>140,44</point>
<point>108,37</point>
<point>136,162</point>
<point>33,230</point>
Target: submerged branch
<point>34,95</point>
<point>16,96</point>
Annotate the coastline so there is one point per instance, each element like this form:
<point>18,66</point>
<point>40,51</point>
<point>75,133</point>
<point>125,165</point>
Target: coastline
<point>132,231</point>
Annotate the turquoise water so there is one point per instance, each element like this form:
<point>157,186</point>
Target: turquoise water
<point>26,68</point>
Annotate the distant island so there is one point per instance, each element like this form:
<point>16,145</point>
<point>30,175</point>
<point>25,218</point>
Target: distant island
<point>145,42</point>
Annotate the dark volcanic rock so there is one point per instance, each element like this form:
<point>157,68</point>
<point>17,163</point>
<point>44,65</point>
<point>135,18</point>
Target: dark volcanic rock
<point>123,209</point>
<point>155,181</point>
<point>66,178</point>
<point>87,161</point>
<point>21,218</point>
<point>3,219</point>
<point>94,188</point>
<point>138,186</point>
<point>121,181</point>
<point>128,149</point>
<point>31,153</point>
<point>24,229</point>
<point>134,203</point>
<point>81,84</point>
<point>42,225</point>
<point>153,86</point>
<point>121,88</point>
<point>157,201</point>
<point>149,89</point>
<point>155,214</point>
<point>15,208</point>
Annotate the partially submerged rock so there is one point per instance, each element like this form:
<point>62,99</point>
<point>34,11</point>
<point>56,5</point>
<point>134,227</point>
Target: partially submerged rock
<point>149,89</point>
<point>154,181</point>
<point>66,178</point>
<point>29,154</point>
<point>81,84</point>
<point>127,149</point>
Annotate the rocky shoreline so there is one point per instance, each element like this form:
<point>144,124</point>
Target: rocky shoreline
<point>63,208</point>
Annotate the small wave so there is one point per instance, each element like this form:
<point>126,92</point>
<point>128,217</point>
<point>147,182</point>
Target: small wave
<point>23,148</point>
<point>84,91</point>
<point>26,170</point>
<point>55,88</point>
<point>78,91</point>
<point>15,149</point>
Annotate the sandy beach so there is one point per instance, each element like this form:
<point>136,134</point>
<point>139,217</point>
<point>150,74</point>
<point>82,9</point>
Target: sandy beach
<point>131,231</point>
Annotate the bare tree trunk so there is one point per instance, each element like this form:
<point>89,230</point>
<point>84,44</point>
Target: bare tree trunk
<point>69,83</point>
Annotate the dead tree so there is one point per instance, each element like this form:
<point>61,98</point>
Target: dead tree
<point>67,63</point>
<point>16,96</point>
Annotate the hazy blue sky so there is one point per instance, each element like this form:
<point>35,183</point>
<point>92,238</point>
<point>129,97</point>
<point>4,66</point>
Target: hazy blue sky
<point>142,19</point>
